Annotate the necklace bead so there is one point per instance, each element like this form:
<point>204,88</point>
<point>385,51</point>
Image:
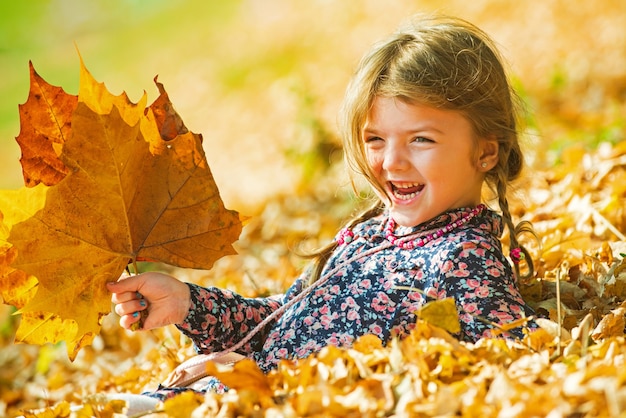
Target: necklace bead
<point>346,235</point>
<point>420,242</point>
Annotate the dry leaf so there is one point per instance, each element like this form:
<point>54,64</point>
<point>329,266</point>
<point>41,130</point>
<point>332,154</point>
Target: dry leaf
<point>611,325</point>
<point>441,313</point>
<point>243,375</point>
<point>45,124</point>
<point>18,288</point>
<point>367,343</point>
<point>128,195</point>
<point>60,410</point>
<point>183,405</point>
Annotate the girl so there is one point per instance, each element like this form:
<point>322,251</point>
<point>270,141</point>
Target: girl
<point>428,117</point>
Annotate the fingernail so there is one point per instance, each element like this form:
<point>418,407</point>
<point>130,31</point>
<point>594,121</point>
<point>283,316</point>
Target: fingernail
<point>142,302</point>
<point>135,314</point>
<point>139,295</point>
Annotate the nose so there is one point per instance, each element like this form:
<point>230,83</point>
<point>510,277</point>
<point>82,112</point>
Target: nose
<point>395,157</point>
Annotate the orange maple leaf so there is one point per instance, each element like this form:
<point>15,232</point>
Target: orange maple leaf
<point>45,124</point>
<point>128,194</point>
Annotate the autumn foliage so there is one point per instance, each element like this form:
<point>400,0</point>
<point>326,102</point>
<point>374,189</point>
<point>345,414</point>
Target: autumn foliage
<point>123,155</point>
<point>109,182</point>
<point>106,178</point>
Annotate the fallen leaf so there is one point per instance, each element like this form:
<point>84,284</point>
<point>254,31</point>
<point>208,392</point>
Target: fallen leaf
<point>441,313</point>
<point>17,288</point>
<point>45,124</point>
<point>183,404</point>
<point>244,374</point>
<point>611,324</point>
<point>167,119</point>
<point>60,410</point>
<point>503,328</point>
<point>367,343</point>
<point>128,195</point>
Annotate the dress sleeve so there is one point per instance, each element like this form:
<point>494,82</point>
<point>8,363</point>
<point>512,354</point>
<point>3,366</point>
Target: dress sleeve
<point>220,318</point>
<point>482,283</point>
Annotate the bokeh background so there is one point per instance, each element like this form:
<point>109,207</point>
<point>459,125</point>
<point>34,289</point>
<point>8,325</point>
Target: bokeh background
<point>262,81</point>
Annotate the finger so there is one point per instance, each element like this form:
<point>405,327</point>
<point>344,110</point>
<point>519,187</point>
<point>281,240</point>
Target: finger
<point>131,307</point>
<point>125,297</point>
<point>129,284</point>
<point>127,321</point>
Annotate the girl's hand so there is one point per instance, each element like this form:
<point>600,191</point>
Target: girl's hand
<point>165,299</point>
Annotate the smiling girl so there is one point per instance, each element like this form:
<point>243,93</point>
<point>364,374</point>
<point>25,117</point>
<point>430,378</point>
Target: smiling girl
<point>428,118</point>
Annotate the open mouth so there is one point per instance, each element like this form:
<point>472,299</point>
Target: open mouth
<point>405,191</point>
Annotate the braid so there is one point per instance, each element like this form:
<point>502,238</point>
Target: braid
<point>517,252</point>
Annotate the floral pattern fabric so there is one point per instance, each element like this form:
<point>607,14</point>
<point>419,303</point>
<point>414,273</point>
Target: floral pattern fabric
<point>369,287</point>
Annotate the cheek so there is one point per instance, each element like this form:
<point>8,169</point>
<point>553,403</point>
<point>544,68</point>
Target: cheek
<point>374,160</point>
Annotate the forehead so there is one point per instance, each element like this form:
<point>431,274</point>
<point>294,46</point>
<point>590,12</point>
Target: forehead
<point>387,112</point>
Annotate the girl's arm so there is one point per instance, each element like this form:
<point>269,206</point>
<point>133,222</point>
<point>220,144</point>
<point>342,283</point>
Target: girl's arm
<point>213,318</point>
<point>219,318</point>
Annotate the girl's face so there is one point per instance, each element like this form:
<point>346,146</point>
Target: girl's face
<point>428,160</point>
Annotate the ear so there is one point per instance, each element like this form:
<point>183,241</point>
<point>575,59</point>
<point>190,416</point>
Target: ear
<point>488,153</point>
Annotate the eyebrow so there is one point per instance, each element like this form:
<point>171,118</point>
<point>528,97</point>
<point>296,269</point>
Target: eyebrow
<point>426,128</point>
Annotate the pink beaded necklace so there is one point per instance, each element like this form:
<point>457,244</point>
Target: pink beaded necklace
<point>346,235</point>
<point>420,242</point>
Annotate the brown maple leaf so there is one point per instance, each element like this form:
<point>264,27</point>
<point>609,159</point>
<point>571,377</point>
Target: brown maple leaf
<point>167,119</point>
<point>128,195</point>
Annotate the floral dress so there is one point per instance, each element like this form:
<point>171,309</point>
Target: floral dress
<point>368,286</point>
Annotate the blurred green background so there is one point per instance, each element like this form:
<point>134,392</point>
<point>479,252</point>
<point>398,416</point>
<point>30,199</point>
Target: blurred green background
<point>262,79</point>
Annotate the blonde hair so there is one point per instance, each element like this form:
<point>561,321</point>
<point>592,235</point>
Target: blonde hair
<point>447,63</point>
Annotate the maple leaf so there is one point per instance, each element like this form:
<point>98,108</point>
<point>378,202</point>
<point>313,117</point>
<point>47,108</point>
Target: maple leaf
<point>183,404</point>
<point>441,313</point>
<point>244,374</point>
<point>128,194</point>
<point>44,126</point>
<point>17,288</point>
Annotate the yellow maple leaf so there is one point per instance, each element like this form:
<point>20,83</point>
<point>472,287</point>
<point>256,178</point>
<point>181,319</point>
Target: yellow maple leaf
<point>244,374</point>
<point>183,404</point>
<point>17,288</point>
<point>441,313</point>
<point>128,195</point>
<point>60,410</point>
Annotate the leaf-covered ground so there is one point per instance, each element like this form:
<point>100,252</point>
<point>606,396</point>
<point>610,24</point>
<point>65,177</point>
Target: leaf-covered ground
<point>577,210</point>
<point>573,192</point>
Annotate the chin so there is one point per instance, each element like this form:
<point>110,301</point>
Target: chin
<point>406,220</point>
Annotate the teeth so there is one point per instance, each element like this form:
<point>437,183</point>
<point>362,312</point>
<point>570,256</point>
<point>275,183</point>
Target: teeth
<point>404,185</point>
<point>397,187</point>
<point>404,196</point>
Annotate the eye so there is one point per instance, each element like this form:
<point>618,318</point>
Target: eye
<point>372,139</point>
<point>422,139</point>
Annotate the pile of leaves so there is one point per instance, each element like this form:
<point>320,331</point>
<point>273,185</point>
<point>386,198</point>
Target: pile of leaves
<point>572,366</point>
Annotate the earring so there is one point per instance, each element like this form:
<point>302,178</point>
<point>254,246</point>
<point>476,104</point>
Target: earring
<point>483,164</point>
